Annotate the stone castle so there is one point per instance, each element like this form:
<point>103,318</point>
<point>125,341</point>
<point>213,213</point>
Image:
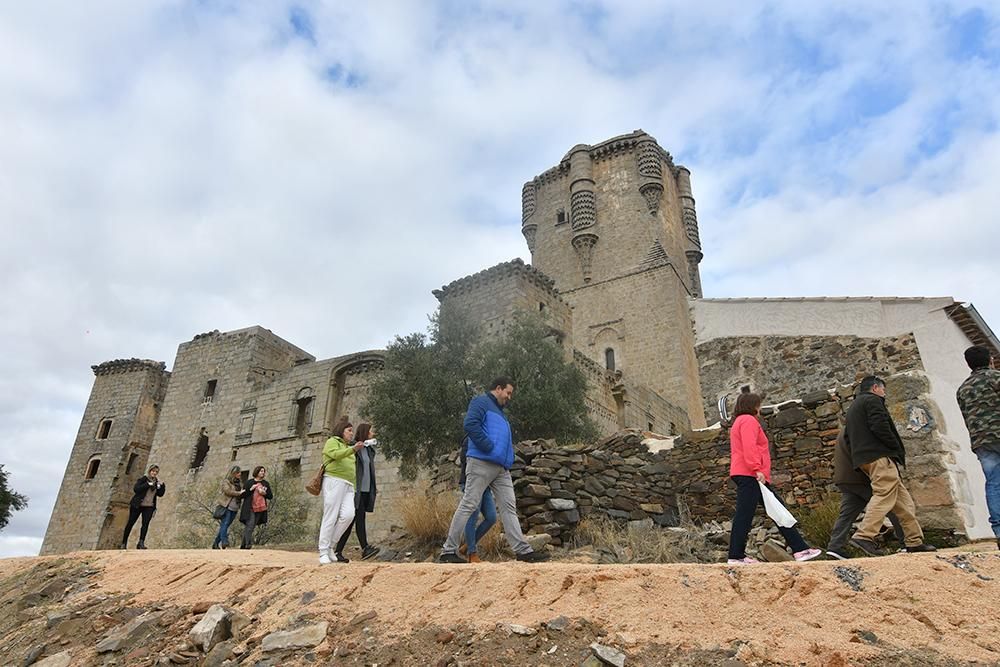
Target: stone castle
<point>615,249</point>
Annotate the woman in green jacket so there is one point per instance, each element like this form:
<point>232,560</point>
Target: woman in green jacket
<point>338,488</point>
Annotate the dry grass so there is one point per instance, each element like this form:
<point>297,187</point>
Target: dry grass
<point>650,544</point>
<point>426,517</point>
<point>816,523</point>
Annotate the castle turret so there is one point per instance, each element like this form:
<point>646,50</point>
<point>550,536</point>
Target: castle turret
<point>614,225</point>
<point>110,452</point>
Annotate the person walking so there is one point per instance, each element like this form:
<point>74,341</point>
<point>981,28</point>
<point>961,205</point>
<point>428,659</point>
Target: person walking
<point>146,490</point>
<point>487,508</point>
<point>979,399</point>
<point>877,451</point>
<point>338,489</point>
<point>749,467</point>
<point>855,492</point>
<point>230,495</point>
<point>490,451</point>
<point>253,513</point>
<point>364,494</point>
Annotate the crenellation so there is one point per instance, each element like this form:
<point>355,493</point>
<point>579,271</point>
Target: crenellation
<point>615,254</point>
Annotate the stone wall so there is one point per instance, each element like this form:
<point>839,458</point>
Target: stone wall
<point>91,510</point>
<point>786,367</point>
<point>622,478</point>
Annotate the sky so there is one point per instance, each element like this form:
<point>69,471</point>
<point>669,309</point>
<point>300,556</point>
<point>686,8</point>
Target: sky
<point>172,167</point>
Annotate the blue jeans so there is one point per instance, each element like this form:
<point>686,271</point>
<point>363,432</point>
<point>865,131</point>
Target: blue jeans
<point>990,460</point>
<point>747,499</point>
<point>474,533</point>
<point>223,536</point>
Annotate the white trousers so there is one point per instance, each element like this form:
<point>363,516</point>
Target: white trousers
<point>338,511</point>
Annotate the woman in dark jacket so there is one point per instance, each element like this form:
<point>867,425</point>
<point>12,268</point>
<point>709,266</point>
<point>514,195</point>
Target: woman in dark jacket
<point>147,489</point>
<point>364,494</point>
<point>254,510</point>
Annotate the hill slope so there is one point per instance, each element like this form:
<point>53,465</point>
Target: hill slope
<point>926,609</point>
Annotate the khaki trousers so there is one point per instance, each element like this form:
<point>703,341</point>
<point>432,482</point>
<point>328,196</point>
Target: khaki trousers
<point>888,495</point>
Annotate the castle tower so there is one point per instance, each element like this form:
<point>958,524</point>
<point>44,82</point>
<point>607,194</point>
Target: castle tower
<point>110,452</point>
<point>614,225</point>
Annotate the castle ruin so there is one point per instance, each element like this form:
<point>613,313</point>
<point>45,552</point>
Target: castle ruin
<point>615,249</point>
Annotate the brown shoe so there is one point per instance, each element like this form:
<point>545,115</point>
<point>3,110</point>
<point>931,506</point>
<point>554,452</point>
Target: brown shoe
<point>462,550</point>
<point>474,558</point>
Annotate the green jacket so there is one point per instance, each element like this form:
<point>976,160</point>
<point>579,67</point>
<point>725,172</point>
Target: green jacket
<point>979,399</point>
<point>338,459</point>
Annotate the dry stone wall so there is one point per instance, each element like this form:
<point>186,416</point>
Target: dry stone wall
<point>621,478</point>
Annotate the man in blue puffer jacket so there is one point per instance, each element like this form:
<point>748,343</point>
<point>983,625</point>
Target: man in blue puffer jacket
<point>490,452</point>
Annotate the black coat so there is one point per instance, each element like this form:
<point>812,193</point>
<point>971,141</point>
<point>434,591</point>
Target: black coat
<point>871,434</point>
<point>142,485</point>
<point>247,507</point>
<point>364,502</point>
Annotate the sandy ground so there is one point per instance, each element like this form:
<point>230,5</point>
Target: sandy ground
<point>827,613</point>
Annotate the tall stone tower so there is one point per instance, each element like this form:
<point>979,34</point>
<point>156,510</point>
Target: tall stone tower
<point>614,225</point>
<point>111,451</point>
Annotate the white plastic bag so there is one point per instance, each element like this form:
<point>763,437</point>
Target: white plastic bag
<point>778,512</point>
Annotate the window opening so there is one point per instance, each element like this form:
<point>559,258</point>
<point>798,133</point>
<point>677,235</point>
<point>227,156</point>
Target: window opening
<point>92,467</point>
<point>200,450</point>
<point>541,307</point>
<point>104,430</point>
<point>293,467</point>
<point>210,391</point>
<point>130,466</point>
<point>233,457</point>
<point>609,359</point>
<point>303,411</point>
<point>649,426</point>
<point>560,216</point>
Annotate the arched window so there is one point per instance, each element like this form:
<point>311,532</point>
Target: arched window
<point>609,359</point>
<point>92,466</point>
<point>104,430</point>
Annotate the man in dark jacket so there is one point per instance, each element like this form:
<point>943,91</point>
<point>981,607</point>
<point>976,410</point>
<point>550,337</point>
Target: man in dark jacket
<point>877,451</point>
<point>489,448</point>
<point>855,492</point>
<point>979,400</point>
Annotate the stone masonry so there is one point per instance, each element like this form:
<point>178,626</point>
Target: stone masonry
<point>615,246</point>
<point>111,450</point>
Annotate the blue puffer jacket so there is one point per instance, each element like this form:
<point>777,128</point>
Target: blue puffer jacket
<point>487,432</point>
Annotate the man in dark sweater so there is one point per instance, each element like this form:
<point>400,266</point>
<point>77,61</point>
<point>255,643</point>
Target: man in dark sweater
<point>877,451</point>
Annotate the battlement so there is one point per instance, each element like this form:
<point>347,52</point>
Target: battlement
<point>128,366</point>
<point>494,274</point>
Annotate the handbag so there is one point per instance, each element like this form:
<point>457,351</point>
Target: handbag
<point>315,485</point>
<point>778,512</point>
<point>219,512</point>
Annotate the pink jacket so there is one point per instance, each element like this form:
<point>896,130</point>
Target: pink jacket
<point>748,450</point>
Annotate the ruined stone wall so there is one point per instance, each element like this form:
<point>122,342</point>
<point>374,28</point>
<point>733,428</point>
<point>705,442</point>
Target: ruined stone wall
<point>91,513</point>
<point>803,434</point>
<point>786,367</point>
<point>622,478</point>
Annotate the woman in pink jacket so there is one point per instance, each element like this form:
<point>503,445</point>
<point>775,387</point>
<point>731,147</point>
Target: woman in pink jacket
<point>750,463</point>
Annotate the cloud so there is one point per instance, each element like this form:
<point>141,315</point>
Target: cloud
<point>171,168</point>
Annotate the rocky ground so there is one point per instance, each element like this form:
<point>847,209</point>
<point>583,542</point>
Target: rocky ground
<point>265,607</point>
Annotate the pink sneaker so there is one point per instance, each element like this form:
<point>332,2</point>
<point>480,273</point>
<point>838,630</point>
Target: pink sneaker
<point>746,560</point>
<point>808,554</point>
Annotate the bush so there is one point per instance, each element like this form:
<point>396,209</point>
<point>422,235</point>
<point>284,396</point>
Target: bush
<point>286,515</point>
<point>643,544</point>
<point>427,516</point>
<point>816,523</point>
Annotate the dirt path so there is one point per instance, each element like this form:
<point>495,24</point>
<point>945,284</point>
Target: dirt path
<point>941,606</point>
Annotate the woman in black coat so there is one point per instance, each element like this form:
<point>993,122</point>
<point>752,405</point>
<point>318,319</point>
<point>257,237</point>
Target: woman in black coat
<point>364,493</point>
<point>253,513</point>
<point>147,489</point>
